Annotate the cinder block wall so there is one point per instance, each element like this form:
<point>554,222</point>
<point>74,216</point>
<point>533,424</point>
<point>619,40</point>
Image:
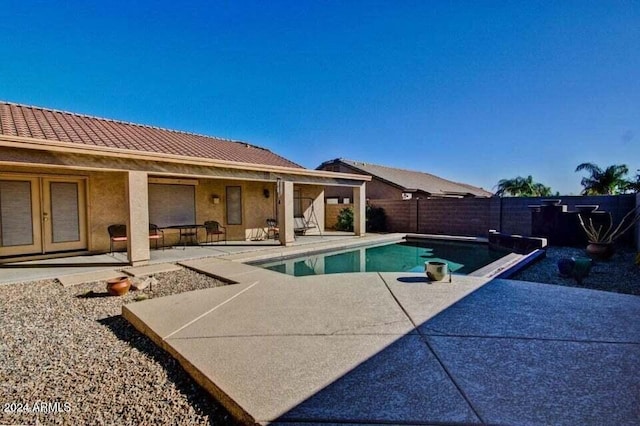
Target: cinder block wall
<point>401,214</point>
<point>516,215</point>
<point>475,216</point>
<point>453,216</point>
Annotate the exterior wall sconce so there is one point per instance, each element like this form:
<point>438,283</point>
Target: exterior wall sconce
<point>215,199</point>
<point>266,193</point>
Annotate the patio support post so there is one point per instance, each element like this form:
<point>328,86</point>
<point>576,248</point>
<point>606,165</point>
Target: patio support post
<point>285,213</point>
<point>318,205</point>
<point>359,210</point>
<point>138,220</point>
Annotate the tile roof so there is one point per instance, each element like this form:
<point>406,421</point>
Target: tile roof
<point>412,180</point>
<point>52,125</point>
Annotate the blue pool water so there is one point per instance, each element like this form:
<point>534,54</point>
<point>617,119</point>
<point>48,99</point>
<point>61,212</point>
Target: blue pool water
<point>405,256</point>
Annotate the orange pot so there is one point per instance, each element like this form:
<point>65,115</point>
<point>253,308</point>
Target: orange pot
<point>118,286</point>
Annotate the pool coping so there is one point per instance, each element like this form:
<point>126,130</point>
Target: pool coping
<point>503,267</point>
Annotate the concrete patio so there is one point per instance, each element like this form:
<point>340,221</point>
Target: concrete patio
<point>27,271</point>
<point>393,348</point>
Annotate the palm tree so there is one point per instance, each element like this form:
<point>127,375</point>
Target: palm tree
<point>604,182</point>
<point>634,186</point>
<point>522,187</point>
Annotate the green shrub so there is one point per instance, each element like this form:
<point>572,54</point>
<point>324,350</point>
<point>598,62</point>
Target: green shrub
<point>376,219</point>
<point>345,220</point>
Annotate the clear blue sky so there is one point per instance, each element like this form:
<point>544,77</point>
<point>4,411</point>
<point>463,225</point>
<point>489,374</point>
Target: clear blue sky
<point>472,91</point>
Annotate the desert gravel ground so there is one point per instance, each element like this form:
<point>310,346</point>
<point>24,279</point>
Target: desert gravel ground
<point>620,274</point>
<point>56,347</point>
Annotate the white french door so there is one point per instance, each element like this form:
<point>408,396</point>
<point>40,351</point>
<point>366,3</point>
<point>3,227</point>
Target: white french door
<point>42,214</point>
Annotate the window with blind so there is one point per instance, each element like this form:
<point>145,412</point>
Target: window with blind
<point>16,226</point>
<point>234,205</point>
<point>172,204</point>
<point>65,219</point>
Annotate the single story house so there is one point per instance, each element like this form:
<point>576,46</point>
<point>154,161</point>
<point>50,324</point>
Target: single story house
<point>390,183</point>
<point>65,178</point>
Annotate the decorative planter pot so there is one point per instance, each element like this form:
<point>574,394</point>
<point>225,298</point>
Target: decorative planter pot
<point>436,271</point>
<point>600,251</point>
<point>118,286</point>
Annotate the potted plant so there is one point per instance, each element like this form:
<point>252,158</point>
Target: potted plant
<point>601,238</point>
<point>118,286</point>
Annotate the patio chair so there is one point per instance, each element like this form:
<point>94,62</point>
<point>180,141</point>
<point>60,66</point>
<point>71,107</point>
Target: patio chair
<point>214,228</point>
<point>272,226</point>
<point>117,233</point>
<point>156,234</point>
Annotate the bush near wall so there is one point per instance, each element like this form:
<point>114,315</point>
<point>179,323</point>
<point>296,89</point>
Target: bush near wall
<point>376,220</point>
<point>344,221</point>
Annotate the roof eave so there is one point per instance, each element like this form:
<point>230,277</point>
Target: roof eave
<point>67,147</point>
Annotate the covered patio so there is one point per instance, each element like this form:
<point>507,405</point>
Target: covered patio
<point>66,178</point>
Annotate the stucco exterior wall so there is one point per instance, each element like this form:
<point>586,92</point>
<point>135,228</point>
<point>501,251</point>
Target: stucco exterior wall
<point>256,208</point>
<point>379,190</point>
<point>107,204</point>
<point>376,189</point>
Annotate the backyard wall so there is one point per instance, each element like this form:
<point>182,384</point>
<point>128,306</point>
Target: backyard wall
<point>475,216</point>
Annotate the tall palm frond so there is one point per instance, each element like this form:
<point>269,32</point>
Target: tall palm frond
<point>603,182</point>
<point>522,187</point>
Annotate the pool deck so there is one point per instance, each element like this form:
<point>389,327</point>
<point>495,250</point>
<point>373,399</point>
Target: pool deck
<point>368,348</point>
<point>392,348</point>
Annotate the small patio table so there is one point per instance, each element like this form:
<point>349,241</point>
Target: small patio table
<point>187,232</point>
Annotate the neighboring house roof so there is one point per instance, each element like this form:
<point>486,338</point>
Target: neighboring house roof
<point>51,125</point>
<point>412,181</point>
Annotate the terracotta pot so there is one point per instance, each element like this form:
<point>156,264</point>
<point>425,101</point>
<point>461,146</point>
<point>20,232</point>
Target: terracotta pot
<point>600,251</point>
<point>436,271</point>
<point>118,286</point>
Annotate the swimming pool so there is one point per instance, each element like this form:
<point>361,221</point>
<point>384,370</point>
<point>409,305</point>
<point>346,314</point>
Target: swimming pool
<point>404,256</point>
